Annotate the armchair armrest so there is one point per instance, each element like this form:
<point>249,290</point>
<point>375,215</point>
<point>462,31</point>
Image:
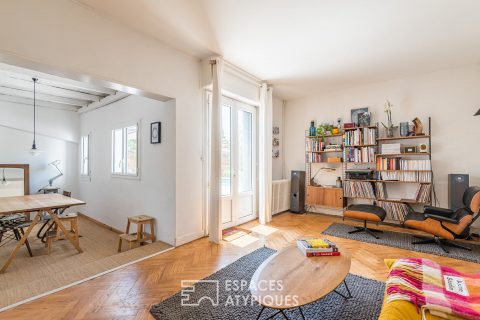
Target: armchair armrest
<point>440,218</point>
<point>439,211</point>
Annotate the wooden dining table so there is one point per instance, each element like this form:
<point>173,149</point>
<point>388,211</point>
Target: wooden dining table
<point>38,203</point>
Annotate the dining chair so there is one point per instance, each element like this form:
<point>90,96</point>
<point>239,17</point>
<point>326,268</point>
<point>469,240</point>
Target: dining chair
<point>11,228</point>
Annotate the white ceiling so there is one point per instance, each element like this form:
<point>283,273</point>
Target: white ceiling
<point>16,85</point>
<point>310,46</point>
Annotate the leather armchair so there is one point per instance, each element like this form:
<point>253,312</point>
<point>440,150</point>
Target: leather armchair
<point>446,224</point>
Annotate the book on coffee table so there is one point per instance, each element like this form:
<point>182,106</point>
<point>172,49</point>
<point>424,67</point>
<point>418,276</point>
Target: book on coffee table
<point>316,247</point>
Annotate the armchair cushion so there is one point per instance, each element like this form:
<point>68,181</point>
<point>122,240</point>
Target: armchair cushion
<point>441,218</point>
<point>438,211</point>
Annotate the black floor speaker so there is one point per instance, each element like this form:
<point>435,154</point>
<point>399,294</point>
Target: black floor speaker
<point>457,184</point>
<point>297,192</point>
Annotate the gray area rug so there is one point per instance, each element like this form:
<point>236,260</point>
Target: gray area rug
<point>403,241</point>
<point>238,304</point>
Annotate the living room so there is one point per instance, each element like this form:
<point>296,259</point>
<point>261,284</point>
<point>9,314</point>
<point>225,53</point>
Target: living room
<point>239,160</point>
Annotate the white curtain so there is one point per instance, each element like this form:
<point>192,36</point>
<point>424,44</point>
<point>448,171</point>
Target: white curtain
<point>215,221</point>
<point>265,154</point>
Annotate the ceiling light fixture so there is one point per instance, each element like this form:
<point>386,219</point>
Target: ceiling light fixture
<point>477,113</point>
<point>34,151</point>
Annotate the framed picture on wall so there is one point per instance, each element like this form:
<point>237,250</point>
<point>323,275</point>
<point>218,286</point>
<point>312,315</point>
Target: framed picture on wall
<point>155,132</point>
<point>360,116</point>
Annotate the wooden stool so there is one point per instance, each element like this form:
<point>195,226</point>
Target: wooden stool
<point>56,234</point>
<point>140,236</point>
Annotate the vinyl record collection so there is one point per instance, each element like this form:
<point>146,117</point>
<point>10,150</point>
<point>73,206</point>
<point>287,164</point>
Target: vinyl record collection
<point>395,211</point>
<point>361,189</point>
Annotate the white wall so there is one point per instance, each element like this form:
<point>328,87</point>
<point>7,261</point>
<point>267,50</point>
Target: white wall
<point>57,133</point>
<point>64,36</point>
<point>450,97</point>
<point>277,121</point>
<point>112,199</point>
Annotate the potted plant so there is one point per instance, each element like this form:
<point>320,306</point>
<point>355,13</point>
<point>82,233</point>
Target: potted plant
<point>323,129</point>
<point>389,127</point>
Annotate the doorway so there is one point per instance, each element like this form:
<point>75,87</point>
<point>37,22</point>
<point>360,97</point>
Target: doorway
<point>238,162</point>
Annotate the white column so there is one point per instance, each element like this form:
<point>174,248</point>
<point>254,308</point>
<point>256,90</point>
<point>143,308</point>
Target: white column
<point>265,154</point>
<point>214,224</point>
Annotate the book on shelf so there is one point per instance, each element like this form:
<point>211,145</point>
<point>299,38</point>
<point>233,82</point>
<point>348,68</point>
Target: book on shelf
<point>421,177</point>
<point>397,163</point>
<point>391,148</point>
<point>315,145</point>
<point>314,247</point>
<point>360,136</point>
<point>362,154</point>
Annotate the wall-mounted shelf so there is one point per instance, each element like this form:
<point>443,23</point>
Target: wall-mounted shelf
<point>403,138</point>
<point>403,170</point>
<point>327,136</point>
<point>355,128</point>
<point>359,145</point>
<point>402,154</point>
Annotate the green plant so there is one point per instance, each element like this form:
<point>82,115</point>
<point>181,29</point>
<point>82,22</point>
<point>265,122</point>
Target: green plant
<point>323,129</point>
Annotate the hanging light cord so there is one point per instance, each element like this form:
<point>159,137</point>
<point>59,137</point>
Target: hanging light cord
<point>34,146</point>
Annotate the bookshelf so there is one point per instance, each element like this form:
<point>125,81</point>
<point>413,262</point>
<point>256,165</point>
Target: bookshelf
<point>317,154</point>
<point>389,169</point>
<point>421,174</point>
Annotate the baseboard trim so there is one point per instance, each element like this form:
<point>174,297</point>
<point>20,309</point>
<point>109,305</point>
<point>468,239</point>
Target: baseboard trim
<point>83,280</point>
<point>101,224</point>
<point>188,238</point>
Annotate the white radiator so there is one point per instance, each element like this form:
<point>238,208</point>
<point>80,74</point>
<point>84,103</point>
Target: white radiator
<point>280,195</point>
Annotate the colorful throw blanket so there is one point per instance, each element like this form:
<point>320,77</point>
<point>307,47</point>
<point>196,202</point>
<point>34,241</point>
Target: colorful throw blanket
<point>442,291</point>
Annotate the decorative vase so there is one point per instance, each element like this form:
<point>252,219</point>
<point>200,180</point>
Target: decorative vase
<point>390,131</point>
<point>338,183</point>
<point>403,129</point>
<point>312,130</point>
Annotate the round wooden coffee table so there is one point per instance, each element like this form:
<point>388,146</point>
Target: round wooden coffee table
<point>288,279</point>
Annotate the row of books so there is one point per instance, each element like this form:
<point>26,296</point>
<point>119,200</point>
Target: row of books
<point>364,154</point>
<point>395,211</point>
<point>424,177</point>
<point>361,189</point>
<point>313,157</point>
<point>315,145</point>
<point>317,247</point>
<point>360,136</point>
<point>398,164</point>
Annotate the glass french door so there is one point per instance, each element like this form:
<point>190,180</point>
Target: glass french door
<point>238,164</point>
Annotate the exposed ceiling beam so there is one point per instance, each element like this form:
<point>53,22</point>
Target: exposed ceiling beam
<point>43,97</point>
<point>50,80</point>
<point>10,82</point>
<point>42,104</point>
<point>104,102</point>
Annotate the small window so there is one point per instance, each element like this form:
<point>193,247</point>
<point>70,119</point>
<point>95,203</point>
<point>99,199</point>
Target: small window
<point>85,155</point>
<point>125,151</point>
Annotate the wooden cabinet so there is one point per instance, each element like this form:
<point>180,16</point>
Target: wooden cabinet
<point>328,197</point>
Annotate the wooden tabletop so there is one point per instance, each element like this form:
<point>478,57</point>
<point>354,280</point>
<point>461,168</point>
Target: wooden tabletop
<point>36,202</point>
<point>295,275</point>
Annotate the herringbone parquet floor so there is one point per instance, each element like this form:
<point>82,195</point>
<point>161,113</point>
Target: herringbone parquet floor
<point>128,293</point>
